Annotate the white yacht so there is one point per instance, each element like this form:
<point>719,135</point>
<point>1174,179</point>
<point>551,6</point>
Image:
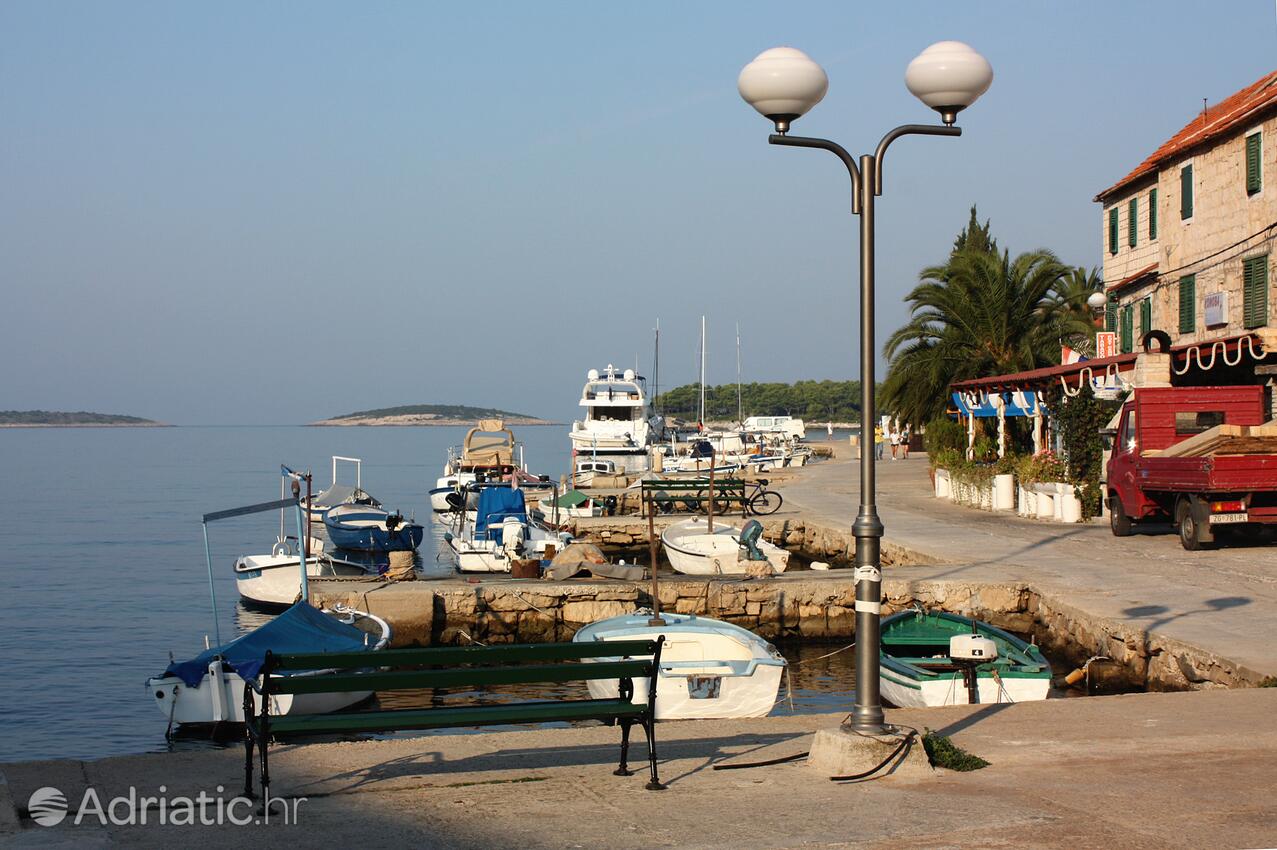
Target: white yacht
<point>618,425</point>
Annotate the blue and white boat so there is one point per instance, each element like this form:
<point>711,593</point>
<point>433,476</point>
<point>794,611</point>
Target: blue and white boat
<point>209,688</point>
<point>500,532</point>
<point>709,668</point>
<point>363,528</point>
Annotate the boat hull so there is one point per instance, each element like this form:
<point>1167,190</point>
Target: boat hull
<point>692,550</point>
<point>710,669</point>
<point>268,582</point>
<point>365,530</point>
<point>220,699</point>
<point>904,692</point>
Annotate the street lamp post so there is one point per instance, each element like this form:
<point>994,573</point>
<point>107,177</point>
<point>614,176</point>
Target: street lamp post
<point>783,84</point>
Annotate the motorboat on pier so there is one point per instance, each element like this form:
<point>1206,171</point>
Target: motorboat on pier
<point>500,532</point>
<point>489,454</point>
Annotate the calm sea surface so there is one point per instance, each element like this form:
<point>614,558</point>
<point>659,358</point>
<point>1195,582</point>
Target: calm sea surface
<point>102,562</point>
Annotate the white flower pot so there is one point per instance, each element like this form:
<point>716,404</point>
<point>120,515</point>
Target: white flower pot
<point>1004,492</point>
<point>1046,494</point>
<point>1070,506</point>
<point>944,486</point>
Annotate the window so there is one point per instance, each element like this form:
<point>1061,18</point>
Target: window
<point>1255,292</point>
<point>1186,192</point>
<point>1132,221</point>
<point>1254,168</point>
<point>1188,304</point>
<point>1196,421</point>
<point>1113,230</point>
<point>1146,316</point>
<point>1152,214</point>
<point>1128,331</point>
<point>1128,440</point>
<point>1110,315</point>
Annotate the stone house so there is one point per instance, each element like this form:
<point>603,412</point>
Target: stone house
<point>1187,235</point>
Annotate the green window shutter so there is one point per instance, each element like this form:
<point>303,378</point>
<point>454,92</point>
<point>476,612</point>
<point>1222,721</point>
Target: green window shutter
<point>1128,330</point>
<point>1152,214</point>
<point>1187,304</point>
<point>1186,191</point>
<point>1255,292</point>
<point>1254,175</point>
<point>1146,316</point>
<point>1113,230</point>
<point>1132,221</point>
<point>1110,315</point>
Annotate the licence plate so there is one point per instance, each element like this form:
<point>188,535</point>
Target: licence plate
<point>1218,519</point>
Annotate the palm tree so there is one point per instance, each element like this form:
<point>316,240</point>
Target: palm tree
<point>1076,325</point>
<point>980,314</point>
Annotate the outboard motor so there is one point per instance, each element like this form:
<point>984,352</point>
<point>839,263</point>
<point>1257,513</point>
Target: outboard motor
<point>610,502</point>
<point>456,501</point>
<point>393,521</point>
<point>512,537</point>
<point>750,534</point>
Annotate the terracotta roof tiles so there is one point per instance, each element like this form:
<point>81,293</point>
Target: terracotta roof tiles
<point>1218,120</point>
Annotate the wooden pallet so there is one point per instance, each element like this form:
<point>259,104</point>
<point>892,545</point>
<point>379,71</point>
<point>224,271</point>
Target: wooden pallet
<point>1227,440</point>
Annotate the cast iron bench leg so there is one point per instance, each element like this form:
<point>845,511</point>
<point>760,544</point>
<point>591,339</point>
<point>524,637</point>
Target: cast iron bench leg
<point>248,762</point>
<point>649,729</point>
<point>624,770</point>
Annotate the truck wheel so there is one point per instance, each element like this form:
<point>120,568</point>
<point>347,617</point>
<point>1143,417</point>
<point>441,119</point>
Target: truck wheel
<point>1118,520</point>
<point>1190,534</point>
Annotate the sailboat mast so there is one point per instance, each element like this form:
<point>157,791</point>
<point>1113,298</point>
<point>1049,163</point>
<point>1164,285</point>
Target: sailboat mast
<point>740,419</point>
<point>700,419</point>
<point>656,368</point>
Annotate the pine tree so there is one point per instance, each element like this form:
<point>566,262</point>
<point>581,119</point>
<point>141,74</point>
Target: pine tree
<point>975,237</point>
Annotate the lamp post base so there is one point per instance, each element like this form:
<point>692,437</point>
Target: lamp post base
<point>844,752</point>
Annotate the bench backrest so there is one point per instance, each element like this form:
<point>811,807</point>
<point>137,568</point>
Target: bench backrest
<point>402,669</point>
<point>720,484</point>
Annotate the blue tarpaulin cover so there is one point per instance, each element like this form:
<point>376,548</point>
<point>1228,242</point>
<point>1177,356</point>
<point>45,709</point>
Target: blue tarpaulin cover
<point>497,503</point>
<point>299,629</point>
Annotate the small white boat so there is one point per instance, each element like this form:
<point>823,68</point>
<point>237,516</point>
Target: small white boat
<point>273,581</point>
<point>693,550</point>
<point>709,668</point>
<point>571,504</point>
<point>210,687</point>
<point>338,494</point>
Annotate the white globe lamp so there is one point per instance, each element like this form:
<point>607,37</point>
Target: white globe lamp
<point>949,76</point>
<point>783,84</point>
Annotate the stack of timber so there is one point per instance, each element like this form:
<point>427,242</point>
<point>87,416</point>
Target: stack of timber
<point>1227,440</point>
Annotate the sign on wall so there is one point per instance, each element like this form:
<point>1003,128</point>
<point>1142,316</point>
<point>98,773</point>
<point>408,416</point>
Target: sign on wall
<point>1105,344</point>
<point>1215,309</point>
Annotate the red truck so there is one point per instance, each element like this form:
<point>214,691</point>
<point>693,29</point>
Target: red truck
<point>1226,478</point>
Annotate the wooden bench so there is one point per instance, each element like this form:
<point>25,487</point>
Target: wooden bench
<point>447,667</point>
<point>696,493</point>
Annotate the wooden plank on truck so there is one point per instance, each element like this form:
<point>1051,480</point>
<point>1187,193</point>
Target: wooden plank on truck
<point>1203,443</point>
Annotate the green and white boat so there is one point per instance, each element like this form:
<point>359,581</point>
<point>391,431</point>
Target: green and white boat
<point>930,658</point>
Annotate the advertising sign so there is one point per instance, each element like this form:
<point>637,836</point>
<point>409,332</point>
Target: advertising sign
<point>1215,309</point>
<point>1105,344</point>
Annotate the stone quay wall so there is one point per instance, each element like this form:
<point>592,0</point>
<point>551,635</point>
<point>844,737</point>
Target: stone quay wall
<point>795,606</point>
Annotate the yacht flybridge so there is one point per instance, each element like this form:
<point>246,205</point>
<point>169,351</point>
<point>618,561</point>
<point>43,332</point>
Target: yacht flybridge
<point>618,423</point>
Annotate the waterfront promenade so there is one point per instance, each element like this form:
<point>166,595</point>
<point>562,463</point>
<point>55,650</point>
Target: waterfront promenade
<point>1136,771</point>
<point>1222,600</point>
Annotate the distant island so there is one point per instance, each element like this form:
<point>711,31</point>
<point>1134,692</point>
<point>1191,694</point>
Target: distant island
<point>65,419</point>
<point>431,414</point>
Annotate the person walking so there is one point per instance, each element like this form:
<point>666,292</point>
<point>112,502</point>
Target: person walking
<point>904,441</point>
<point>878,441</point>
<point>895,443</point>
<point>829,428</point>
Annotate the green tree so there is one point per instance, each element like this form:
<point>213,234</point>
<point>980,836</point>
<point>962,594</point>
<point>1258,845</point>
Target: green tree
<point>979,314</point>
<point>1072,315</point>
<point>975,237</point>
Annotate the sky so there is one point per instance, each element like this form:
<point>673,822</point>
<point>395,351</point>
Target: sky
<point>248,213</point>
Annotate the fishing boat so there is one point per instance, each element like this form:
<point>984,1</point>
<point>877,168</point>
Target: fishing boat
<point>500,532</point>
<point>486,454</point>
<point>272,581</point>
<point>209,688</point>
<point>930,658</point>
<point>367,529</point>
<point>693,549</point>
<point>709,668</point>
<point>338,494</point>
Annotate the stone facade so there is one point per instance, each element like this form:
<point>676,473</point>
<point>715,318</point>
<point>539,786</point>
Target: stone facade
<point>1228,225</point>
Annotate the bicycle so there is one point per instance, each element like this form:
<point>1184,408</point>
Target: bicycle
<point>755,496</point>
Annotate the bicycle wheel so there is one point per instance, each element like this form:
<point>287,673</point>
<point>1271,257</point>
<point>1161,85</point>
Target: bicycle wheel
<point>765,502</point>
